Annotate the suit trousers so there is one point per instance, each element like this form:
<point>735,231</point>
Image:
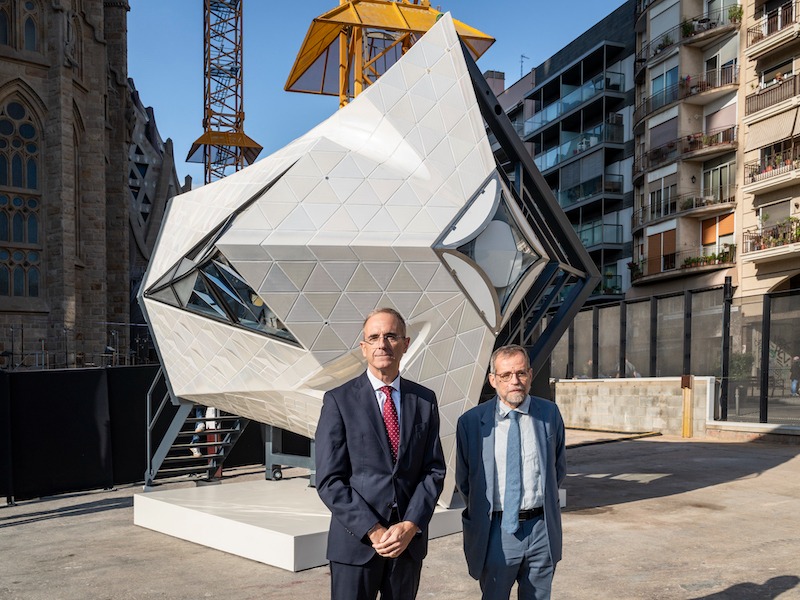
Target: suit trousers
<point>523,557</point>
<point>395,578</point>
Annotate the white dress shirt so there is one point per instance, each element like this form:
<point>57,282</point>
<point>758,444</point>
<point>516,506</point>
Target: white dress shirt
<point>532,495</point>
<point>377,384</point>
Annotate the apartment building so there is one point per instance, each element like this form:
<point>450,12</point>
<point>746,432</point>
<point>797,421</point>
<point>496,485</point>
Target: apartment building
<point>574,113</point>
<point>770,207</point>
<point>685,125</point>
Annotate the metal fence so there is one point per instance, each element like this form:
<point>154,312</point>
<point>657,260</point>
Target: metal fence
<point>748,345</point>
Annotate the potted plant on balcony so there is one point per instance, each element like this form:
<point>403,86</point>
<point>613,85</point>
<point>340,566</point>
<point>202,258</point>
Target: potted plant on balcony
<point>687,29</point>
<point>735,13</point>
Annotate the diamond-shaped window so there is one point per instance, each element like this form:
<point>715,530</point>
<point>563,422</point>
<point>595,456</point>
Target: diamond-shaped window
<point>214,289</point>
<point>205,282</point>
<point>491,250</point>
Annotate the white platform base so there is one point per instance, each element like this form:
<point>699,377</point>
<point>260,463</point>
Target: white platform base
<point>279,523</point>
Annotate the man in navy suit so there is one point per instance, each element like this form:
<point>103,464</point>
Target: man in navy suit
<point>380,470</point>
<point>508,470</point>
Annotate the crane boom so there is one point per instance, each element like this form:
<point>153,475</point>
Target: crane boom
<point>224,146</point>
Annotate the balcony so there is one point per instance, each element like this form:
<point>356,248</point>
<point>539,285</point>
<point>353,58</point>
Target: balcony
<point>695,146</point>
<point>610,81</point>
<point>685,203</point>
<point>773,172</point>
<point>700,30</point>
<point>700,146</point>
<point>578,144</point>
<point>600,234</point>
<point>681,264</point>
<point>611,284</point>
<point>771,94</point>
<point>773,30</point>
<point>703,88</point>
<point>775,242</point>
<point>590,189</point>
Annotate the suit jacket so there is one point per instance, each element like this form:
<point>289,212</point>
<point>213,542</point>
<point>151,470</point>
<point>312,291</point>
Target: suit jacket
<point>475,474</point>
<point>355,476</point>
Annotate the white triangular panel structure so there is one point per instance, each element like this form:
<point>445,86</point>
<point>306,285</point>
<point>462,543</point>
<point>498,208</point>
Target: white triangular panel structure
<point>396,200</point>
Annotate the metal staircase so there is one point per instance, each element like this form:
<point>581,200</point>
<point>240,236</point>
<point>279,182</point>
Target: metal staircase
<point>174,457</point>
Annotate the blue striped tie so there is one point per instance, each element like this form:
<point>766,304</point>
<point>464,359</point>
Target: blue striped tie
<point>513,494</point>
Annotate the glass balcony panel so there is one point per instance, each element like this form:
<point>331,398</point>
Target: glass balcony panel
<point>572,97</point>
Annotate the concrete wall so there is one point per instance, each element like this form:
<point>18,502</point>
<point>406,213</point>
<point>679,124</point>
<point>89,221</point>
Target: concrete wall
<point>634,405</point>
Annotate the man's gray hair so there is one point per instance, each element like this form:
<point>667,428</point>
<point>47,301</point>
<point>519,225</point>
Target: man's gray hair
<point>389,311</point>
<point>506,351</point>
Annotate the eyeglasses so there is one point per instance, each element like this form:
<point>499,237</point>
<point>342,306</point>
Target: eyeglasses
<point>504,377</point>
<point>391,339</point>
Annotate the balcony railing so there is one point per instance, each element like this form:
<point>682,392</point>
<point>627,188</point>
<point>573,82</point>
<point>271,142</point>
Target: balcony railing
<point>772,166</point>
<point>682,203</point>
<point>600,233</point>
<point>578,144</point>
<point>688,144</point>
<point>687,86</point>
<point>773,22</point>
<point>608,184</point>
<point>761,238</point>
<point>773,93</point>
<point>576,96</point>
<point>610,284</point>
<point>724,256</point>
<point>658,100</point>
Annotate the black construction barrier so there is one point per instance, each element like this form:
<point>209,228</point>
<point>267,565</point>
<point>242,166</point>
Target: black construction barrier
<point>80,429</point>
<point>60,432</point>
<point>6,487</point>
<point>127,393</point>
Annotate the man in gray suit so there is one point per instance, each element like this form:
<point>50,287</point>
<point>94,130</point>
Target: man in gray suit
<point>511,459</point>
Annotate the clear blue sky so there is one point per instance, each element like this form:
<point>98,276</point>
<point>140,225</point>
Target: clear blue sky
<point>165,58</point>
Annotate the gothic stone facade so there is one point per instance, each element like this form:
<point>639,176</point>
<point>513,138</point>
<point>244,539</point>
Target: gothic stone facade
<point>64,198</point>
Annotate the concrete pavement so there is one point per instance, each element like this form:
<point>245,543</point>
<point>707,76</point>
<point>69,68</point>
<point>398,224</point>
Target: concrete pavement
<point>646,518</point>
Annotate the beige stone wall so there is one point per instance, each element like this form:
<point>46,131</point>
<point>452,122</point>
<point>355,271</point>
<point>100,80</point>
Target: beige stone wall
<point>633,405</point>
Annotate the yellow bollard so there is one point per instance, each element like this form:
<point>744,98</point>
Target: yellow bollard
<point>686,388</point>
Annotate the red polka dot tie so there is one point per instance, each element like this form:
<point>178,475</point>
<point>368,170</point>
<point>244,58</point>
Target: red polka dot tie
<point>390,421</point>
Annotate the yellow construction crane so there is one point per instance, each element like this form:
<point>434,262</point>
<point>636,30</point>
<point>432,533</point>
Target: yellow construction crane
<point>348,48</point>
<point>224,146</point>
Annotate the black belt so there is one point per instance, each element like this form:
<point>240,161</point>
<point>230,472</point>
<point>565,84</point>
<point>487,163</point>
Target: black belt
<point>524,515</point>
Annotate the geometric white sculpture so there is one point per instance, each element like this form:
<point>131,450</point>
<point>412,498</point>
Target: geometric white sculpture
<point>260,282</point>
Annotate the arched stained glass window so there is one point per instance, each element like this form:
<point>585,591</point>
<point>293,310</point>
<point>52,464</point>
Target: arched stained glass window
<point>31,41</point>
<point>19,281</point>
<point>17,228</point>
<point>33,281</point>
<point>5,32</point>
<point>16,170</point>
<point>20,199</point>
<point>31,179</point>
<point>33,229</point>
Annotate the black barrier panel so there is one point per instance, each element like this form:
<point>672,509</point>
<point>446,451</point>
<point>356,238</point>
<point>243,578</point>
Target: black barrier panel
<point>6,481</point>
<point>127,405</point>
<point>60,439</point>
<point>249,448</point>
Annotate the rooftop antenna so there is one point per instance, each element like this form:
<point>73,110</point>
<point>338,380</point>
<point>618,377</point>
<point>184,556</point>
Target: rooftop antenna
<point>522,58</point>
